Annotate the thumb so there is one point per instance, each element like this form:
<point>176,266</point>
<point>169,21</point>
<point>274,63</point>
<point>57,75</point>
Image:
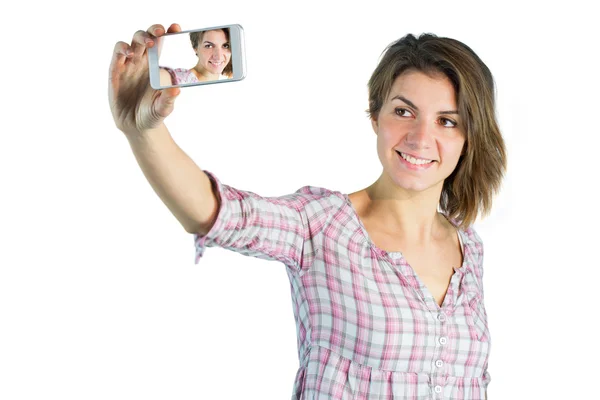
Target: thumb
<point>166,101</point>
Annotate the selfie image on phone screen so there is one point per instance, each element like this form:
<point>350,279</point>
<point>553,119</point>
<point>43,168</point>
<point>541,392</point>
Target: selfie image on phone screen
<point>202,56</point>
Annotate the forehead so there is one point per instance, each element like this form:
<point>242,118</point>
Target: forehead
<point>425,89</point>
<point>217,36</point>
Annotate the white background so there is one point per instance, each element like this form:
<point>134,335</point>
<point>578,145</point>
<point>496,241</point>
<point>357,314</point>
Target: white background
<point>177,51</point>
<point>99,295</point>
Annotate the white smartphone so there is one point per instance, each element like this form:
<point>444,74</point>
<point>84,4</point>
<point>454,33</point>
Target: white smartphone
<point>198,57</point>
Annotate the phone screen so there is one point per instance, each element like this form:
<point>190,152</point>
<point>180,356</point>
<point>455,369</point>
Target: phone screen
<point>197,57</point>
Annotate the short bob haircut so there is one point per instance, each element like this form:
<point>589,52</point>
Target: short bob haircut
<point>478,175</point>
<point>196,38</point>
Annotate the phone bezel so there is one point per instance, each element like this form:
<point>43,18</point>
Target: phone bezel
<point>238,59</point>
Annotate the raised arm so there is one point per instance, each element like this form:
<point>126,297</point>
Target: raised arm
<point>139,112</point>
<point>179,182</point>
<point>286,228</point>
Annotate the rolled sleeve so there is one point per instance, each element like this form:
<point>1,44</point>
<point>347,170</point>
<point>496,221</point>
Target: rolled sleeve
<point>225,213</point>
<point>282,228</point>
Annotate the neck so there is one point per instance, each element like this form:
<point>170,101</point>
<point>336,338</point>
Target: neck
<point>203,75</point>
<point>410,215</point>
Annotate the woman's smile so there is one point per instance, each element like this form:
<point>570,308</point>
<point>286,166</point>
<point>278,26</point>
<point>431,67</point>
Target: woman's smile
<point>416,164</point>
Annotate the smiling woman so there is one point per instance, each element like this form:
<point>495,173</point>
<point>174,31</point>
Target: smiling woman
<point>417,141</point>
<point>213,50</point>
<point>443,67</point>
<point>386,281</point>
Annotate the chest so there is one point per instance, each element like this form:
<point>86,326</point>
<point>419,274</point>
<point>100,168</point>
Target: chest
<point>433,265</point>
<point>363,303</point>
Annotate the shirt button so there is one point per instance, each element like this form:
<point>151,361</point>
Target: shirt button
<point>442,316</point>
<point>438,389</point>
<point>439,363</point>
<point>443,340</point>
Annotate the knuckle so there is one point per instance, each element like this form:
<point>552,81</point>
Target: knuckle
<point>155,28</point>
<point>139,36</point>
<point>121,47</point>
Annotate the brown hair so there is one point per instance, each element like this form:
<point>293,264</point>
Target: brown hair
<point>196,38</point>
<point>478,175</point>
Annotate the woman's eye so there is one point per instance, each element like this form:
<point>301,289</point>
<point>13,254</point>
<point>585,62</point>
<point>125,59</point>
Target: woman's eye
<point>402,112</point>
<point>207,46</point>
<point>226,46</point>
<point>448,123</point>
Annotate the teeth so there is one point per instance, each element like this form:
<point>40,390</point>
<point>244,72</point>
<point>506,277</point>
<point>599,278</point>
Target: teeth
<point>413,160</point>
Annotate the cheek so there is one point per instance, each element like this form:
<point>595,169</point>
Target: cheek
<point>384,146</point>
<point>393,128</point>
<point>390,134</point>
<point>452,152</point>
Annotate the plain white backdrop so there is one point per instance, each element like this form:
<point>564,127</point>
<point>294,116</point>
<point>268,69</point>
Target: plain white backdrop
<point>177,52</point>
<point>99,294</point>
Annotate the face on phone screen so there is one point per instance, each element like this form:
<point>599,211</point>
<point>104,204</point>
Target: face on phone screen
<point>197,57</point>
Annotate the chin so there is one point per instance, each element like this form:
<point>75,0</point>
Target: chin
<point>414,188</point>
<point>412,185</point>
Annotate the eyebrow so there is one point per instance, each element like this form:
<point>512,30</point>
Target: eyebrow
<point>206,41</point>
<point>410,103</point>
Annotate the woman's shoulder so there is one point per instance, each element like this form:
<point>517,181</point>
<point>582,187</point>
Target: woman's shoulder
<point>317,191</point>
<point>471,239</point>
<point>181,75</point>
<point>473,247</point>
<point>308,196</point>
<point>317,198</point>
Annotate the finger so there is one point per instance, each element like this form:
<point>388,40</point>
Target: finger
<point>141,40</point>
<point>156,30</point>
<point>174,28</point>
<point>120,54</point>
<point>166,102</point>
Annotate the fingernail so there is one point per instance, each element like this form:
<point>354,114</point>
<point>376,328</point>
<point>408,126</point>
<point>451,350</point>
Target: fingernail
<point>147,41</point>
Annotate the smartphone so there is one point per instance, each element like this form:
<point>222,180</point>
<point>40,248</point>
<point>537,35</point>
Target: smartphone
<point>198,57</point>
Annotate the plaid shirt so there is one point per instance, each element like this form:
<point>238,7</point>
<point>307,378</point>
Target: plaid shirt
<point>367,326</point>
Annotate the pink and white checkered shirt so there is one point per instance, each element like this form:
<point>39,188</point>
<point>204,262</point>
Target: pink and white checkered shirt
<point>368,328</point>
<point>183,75</point>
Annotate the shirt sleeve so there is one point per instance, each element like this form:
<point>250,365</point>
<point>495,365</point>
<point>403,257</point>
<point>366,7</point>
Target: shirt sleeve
<point>285,229</point>
<point>476,251</point>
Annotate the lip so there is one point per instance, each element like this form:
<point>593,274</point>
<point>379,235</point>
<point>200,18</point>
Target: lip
<point>415,156</point>
<point>413,167</point>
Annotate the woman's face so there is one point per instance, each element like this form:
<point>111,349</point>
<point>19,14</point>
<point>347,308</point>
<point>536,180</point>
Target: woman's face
<point>214,52</point>
<point>419,120</point>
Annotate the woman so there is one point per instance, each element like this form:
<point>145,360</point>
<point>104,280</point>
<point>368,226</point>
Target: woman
<point>388,295</point>
<point>213,50</point>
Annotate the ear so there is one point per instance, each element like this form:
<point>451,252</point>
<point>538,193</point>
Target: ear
<point>375,125</point>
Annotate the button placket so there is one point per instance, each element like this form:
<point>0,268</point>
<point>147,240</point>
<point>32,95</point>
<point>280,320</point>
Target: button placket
<point>442,340</point>
<point>438,368</point>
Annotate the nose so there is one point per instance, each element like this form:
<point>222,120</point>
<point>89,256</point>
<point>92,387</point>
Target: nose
<point>419,135</point>
<point>217,53</point>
